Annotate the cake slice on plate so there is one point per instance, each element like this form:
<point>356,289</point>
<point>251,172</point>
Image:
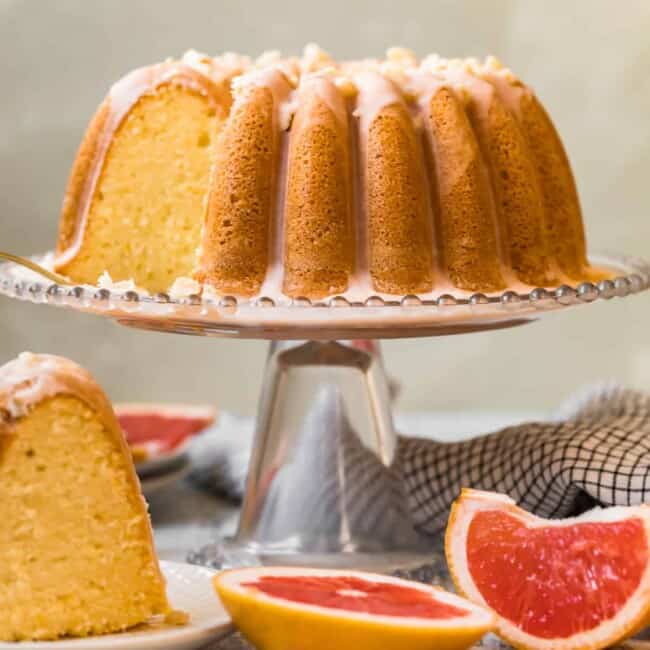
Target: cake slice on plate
<point>76,542</point>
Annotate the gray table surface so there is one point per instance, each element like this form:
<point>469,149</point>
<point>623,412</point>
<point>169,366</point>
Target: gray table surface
<point>185,518</point>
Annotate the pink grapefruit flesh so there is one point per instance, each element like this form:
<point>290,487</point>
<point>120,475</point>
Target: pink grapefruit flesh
<point>555,581</point>
<point>581,583</point>
<point>354,594</point>
<point>167,429</point>
<point>283,608</point>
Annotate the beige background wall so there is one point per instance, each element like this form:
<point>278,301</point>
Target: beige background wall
<point>589,61</point>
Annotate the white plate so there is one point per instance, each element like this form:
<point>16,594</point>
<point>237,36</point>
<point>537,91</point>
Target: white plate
<point>151,485</point>
<point>162,462</point>
<point>189,588</point>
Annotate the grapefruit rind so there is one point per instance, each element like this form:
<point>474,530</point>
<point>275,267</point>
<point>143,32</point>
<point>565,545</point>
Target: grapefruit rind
<point>630,619</point>
<point>189,411</point>
<point>272,623</point>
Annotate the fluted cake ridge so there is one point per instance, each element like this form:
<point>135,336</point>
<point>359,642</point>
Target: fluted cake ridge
<point>305,176</point>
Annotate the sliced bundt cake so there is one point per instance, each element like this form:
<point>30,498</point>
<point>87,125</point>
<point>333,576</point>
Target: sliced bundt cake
<point>75,541</point>
<point>391,176</point>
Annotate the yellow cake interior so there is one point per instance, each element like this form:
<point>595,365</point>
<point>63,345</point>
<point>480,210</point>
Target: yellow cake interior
<point>75,547</point>
<point>145,218</point>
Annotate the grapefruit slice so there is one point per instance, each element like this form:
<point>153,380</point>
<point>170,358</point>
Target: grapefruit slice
<point>159,429</point>
<point>564,584</point>
<point>313,609</point>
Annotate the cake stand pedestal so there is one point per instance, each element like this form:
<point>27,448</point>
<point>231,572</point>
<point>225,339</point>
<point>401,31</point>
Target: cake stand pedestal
<point>324,484</point>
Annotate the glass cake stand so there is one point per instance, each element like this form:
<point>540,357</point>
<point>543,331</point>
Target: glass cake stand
<point>324,484</point>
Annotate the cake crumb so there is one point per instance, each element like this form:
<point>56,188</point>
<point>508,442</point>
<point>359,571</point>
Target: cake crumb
<point>177,617</point>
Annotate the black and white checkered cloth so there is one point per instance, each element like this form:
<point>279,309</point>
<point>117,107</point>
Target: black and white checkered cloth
<point>596,452</point>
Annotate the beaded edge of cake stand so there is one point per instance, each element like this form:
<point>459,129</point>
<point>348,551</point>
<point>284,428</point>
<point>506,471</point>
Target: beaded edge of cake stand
<point>15,283</point>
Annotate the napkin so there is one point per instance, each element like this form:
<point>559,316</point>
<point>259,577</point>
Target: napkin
<point>594,452</point>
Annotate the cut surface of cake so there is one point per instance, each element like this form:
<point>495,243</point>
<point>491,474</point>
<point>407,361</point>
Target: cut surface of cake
<point>75,542</point>
<point>134,202</point>
<point>310,177</point>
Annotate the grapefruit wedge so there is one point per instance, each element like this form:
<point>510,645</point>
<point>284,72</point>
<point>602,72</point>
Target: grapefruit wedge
<point>313,609</point>
<point>157,429</point>
<point>568,584</point>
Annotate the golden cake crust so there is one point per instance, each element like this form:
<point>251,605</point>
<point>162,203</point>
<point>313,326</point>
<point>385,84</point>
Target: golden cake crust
<point>238,214</point>
<point>464,204</point>
<point>79,174</point>
<point>399,219</point>
<point>516,190</point>
<point>31,378</point>
<point>319,236</point>
<point>235,250</point>
<point>564,227</point>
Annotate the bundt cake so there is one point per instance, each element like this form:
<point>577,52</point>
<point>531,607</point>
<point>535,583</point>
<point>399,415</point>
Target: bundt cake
<point>307,177</point>
<point>75,542</point>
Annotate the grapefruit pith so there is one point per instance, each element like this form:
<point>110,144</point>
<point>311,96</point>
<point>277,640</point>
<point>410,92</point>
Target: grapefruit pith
<point>565,584</point>
<point>313,609</point>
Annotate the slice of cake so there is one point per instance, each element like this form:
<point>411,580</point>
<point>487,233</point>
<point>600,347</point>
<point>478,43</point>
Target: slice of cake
<point>134,201</point>
<point>76,547</point>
